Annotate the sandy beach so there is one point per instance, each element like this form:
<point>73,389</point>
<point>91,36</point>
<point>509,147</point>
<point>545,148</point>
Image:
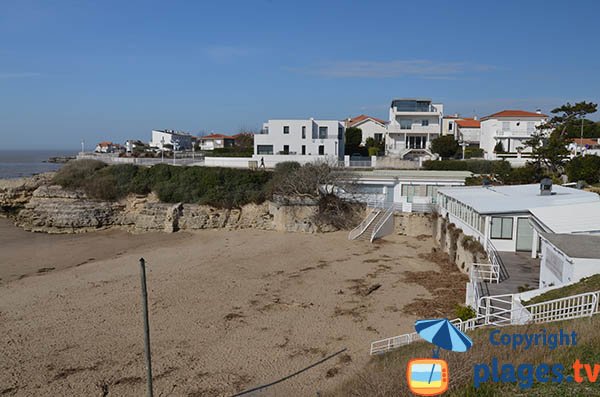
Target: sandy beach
<point>229,310</point>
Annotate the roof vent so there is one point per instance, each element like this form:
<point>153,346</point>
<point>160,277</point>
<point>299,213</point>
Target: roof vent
<point>546,187</point>
<point>538,111</point>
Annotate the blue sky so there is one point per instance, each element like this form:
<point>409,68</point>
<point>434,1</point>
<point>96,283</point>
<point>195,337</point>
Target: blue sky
<point>116,69</point>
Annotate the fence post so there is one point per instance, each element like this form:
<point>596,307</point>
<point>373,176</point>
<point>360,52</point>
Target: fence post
<point>146,327</point>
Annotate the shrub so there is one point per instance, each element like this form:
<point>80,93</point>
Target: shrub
<point>74,174</point>
<point>373,151</point>
<point>446,146</point>
<point>471,152</point>
<point>465,312</point>
<point>584,169</point>
<point>475,166</point>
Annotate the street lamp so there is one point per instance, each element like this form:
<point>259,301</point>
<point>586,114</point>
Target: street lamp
<point>162,149</point>
<point>175,146</point>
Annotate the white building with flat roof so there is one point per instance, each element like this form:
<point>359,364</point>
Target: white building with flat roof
<point>413,124</point>
<point>308,137</point>
<point>177,139</point>
<point>567,258</point>
<point>501,214</point>
<point>511,129</point>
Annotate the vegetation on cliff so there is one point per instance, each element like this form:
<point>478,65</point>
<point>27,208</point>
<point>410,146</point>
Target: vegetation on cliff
<point>218,187</point>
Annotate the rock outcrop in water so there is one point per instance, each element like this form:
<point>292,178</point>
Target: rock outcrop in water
<point>37,205</point>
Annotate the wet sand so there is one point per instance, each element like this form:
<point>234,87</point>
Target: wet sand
<point>229,310</point>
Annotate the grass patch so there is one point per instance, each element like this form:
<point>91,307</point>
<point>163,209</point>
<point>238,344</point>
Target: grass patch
<point>385,375</point>
<point>587,284</point>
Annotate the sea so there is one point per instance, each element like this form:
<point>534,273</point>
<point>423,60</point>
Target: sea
<point>21,163</point>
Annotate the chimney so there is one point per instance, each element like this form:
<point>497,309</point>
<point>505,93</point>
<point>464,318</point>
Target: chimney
<point>538,111</point>
<point>475,117</point>
<point>546,187</point>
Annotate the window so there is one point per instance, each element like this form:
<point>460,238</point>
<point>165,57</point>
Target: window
<point>405,124</point>
<point>322,148</point>
<point>322,132</point>
<point>378,137</point>
<point>264,149</point>
<point>502,228</point>
<point>286,149</point>
<point>303,132</point>
<point>286,129</point>
<point>303,149</point>
<point>340,132</point>
<point>408,191</point>
<point>450,126</point>
<point>424,123</point>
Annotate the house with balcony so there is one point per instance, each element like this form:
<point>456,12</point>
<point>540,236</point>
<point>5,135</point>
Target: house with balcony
<point>299,140</point>
<point>509,129</point>
<point>371,127</point>
<point>413,124</point>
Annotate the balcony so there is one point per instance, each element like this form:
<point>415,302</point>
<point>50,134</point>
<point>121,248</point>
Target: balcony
<point>416,129</point>
<point>513,133</point>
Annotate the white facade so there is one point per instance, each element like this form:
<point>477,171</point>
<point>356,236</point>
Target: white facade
<point>413,124</point>
<point>567,258</point>
<point>301,137</point>
<point>449,125</point>
<point>370,127</point>
<point>510,127</point>
<point>502,214</point>
<point>179,140</point>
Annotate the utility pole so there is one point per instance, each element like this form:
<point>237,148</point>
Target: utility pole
<point>146,328</point>
<point>581,141</point>
<point>162,149</point>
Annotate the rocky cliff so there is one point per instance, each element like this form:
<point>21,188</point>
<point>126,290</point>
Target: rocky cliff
<point>36,205</point>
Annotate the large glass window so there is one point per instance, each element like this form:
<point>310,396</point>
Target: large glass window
<point>411,106</point>
<point>502,228</point>
<point>322,132</point>
<point>264,149</point>
<point>405,124</point>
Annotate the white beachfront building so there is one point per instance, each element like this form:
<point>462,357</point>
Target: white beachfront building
<point>502,214</point>
<point>371,127</point>
<point>299,140</point>
<point>468,131</point>
<point>177,139</point>
<point>413,124</point>
<point>511,128</point>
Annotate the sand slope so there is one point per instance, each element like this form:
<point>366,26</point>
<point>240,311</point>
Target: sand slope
<point>229,310</point>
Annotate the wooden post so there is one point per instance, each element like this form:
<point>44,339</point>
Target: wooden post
<point>146,328</point>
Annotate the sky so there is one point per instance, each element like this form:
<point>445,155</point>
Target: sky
<point>115,70</point>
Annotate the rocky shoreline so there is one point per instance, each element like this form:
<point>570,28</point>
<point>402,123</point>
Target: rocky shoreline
<point>36,205</point>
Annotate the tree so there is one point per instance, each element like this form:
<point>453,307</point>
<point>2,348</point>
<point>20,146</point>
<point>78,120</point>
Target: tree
<point>353,140</point>
<point>584,168</point>
<point>499,148</point>
<point>446,146</point>
<point>244,140</point>
<point>549,142</point>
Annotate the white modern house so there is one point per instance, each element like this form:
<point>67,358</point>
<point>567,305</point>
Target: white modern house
<point>567,258</point>
<point>406,187</point>
<point>511,128</point>
<point>371,127</point>
<point>177,139</point>
<point>413,124</point>
<point>468,131</point>
<point>502,214</point>
<point>300,140</point>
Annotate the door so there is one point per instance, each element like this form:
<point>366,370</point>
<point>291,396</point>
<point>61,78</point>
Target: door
<point>524,235</point>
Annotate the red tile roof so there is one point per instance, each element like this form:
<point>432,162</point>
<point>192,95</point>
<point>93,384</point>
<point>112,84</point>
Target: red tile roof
<point>359,119</point>
<point>586,141</point>
<point>468,123</point>
<point>514,113</point>
<point>105,143</point>
<point>216,136</point>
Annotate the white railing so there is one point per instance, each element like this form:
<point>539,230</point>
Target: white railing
<point>567,308</point>
<point>389,212</point>
<point>360,229</point>
<point>485,272</point>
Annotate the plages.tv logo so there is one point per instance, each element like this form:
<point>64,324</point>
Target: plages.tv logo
<point>429,376</point>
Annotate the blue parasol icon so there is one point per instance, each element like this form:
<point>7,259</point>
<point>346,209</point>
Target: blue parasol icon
<point>443,334</point>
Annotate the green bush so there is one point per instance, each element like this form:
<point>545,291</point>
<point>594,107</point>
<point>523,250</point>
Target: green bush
<point>471,152</point>
<point>75,174</point>
<point>373,151</point>
<point>584,169</point>
<point>464,312</point>
<point>446,146</point>
<point>219,187</point>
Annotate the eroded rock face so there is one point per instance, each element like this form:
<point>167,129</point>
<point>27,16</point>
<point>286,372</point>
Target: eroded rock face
<point>15,193</point>
<point>38,206</point>
<point>53,209</point>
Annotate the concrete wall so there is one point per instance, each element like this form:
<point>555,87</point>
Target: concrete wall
<point>396,163</point>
